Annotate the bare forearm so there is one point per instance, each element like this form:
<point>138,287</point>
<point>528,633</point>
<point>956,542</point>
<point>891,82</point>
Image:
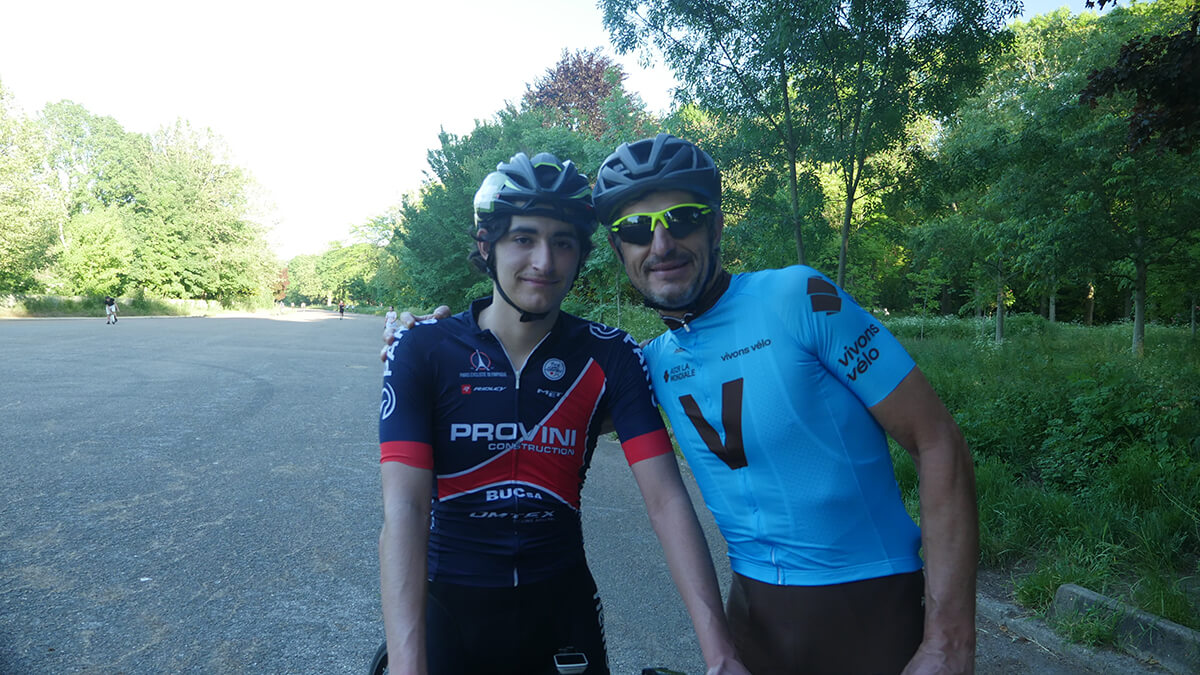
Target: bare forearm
<point>950,539</point>
<point>691,567</point>
<point>402,573</point>
<point>688,558</point>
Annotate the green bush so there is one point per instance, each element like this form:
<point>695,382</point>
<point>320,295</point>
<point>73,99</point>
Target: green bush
<point>1087,459</point>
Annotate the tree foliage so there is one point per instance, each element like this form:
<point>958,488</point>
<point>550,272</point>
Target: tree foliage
<point>89,208</point>
<point>1053,194</point>
<point>838,82</point>
<point>29,211</point>
<point>572,93</point>
<point>1162,72</point>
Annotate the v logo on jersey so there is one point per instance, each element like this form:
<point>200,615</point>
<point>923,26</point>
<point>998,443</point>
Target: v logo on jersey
<point>733,450</point>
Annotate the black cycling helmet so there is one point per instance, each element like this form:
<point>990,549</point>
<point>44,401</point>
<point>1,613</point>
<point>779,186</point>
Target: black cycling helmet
<point>541,186</point>
<point>660,163</point>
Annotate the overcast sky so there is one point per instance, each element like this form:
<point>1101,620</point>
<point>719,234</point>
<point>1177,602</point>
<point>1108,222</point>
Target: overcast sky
<point>331,106</point>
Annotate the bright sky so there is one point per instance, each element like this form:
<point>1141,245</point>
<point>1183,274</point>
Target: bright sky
<point>332,106</point>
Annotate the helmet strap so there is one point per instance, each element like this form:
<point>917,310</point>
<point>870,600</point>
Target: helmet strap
<point>526,316</point>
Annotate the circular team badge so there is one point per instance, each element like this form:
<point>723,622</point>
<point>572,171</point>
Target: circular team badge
<point>554,369</point>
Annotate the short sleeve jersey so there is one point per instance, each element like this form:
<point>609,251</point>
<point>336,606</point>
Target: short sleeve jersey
<point>768,394</point>
<point>509,450</point>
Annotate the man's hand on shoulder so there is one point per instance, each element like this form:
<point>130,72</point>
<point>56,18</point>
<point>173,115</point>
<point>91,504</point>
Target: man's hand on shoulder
<point>408,320</point>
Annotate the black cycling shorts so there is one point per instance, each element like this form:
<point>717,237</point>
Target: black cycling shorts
<point>870,627</point>
<point>477,630</point>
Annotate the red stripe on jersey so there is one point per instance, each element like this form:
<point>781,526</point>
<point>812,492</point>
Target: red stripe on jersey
<point>417,455</point>
<point>650,444</point>
<point>495,471</point>
<point>550,455</point>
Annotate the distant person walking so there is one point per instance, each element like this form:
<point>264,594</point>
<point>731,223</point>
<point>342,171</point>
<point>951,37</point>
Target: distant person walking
<point>389,324</point>
<point>341,309</point>
<point>110,310</point>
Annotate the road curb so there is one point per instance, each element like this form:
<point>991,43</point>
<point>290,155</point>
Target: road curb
<point>1021,623</point>
<point>1144,635</point>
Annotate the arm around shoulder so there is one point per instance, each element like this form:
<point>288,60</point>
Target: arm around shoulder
<point>403,542</point>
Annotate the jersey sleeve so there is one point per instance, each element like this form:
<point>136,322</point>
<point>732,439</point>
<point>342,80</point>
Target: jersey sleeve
<point>406,409</point>
<point>635,413</point>
<point>848,341</point>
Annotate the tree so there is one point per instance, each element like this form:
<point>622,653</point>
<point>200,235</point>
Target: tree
<point>572,93</point>
<point>1051,185</point>
<point>1162,72</point>
<point>95,253</point>
<point>303,283</point>
<point>348,272</point>
<point>840,78</point>
<point>29,208</point>
<point>96,162</point>
<point>191,234</point>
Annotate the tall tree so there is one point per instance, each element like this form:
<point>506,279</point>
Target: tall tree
<point>573,93</point>
<point>842,78</point>
<point>30,210</point>
<point>1057,189</point>
<point>192,236</point>
<point>1162,71</point>
<point>97,163</point>
<point>95,252</point>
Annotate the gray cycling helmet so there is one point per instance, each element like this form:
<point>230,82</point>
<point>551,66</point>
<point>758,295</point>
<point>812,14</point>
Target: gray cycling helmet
<point>542,186</point>
<point>660,163</point>
<point>539,186</point>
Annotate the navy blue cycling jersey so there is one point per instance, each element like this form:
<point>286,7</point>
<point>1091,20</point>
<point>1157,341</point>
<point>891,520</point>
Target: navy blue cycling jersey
<point>509,449</point>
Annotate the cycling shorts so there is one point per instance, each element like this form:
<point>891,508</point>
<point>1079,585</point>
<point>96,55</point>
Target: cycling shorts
<point>872,626</point>
<point>515,630</point>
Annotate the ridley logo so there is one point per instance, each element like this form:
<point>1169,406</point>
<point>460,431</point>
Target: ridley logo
<point>480,361</point>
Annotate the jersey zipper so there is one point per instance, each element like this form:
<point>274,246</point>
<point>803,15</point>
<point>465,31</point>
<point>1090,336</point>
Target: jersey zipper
<point>517,450</point>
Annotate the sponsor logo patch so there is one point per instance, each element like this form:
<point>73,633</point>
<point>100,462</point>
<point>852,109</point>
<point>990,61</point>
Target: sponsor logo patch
<point>824,296</point>
<point>680,372</point>
<point>478,389</point>
<point>603,332</point>
<point>388,404</point>
<point>859,355</point>
<point>554,369</point>
<point>727,356</point>
<point>480,361</point>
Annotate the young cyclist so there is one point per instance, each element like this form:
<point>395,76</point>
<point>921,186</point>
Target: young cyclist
<point>781,392</point>
<point>487,427</point>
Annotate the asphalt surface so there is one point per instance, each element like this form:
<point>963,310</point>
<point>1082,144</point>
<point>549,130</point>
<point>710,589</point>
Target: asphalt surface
<point>201,495</point>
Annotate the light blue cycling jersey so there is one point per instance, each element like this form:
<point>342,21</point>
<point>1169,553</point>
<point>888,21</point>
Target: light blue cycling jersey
<point>768,394</point>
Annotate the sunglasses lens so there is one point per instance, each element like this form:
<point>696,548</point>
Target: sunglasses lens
<point>684,220</point>
<point>635,229</point>
<point>680,221</point>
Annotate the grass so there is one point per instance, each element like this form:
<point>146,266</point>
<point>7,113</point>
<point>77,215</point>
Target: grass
<point>1087,458</point>
<point>83,306</point>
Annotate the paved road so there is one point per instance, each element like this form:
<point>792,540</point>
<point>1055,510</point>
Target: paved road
<point>202,495</point>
